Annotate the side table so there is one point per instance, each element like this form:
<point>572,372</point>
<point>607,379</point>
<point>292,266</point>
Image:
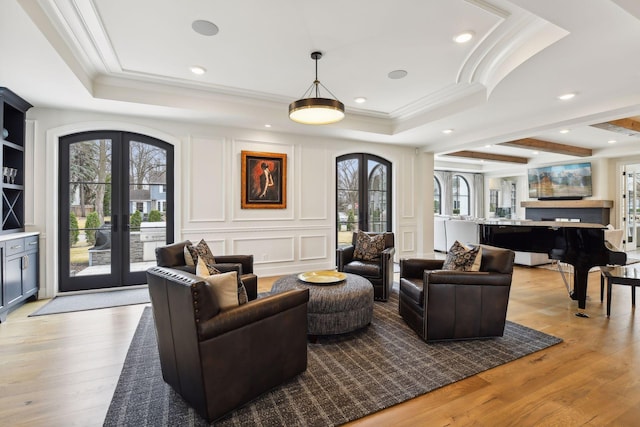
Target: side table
<point>618,275</point>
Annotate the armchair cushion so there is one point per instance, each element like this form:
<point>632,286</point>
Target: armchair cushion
<point>363,268</point>
<point>368,248</point>
<point>462,258</point>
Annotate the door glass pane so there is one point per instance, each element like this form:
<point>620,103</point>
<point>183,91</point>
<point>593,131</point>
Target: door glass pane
<point>147,203</point>
<point>90,207</point>
<point>347,200</point>
<point>377,189</point>
<point>633,208</point>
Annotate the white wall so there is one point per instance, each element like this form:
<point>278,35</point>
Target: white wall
<point>207,181</point>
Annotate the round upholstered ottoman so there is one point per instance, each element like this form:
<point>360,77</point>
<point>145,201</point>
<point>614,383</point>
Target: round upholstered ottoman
<point>335,308</point>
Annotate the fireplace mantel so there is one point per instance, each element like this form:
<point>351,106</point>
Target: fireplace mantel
<point>591,211</point>
<point>567,204</point>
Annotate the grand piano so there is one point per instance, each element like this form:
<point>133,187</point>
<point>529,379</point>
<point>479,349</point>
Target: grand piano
<point>580,244</point>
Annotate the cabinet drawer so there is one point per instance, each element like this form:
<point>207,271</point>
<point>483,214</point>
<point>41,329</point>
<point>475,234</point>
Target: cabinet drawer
<point>31,243</point>
<point>14,246</point>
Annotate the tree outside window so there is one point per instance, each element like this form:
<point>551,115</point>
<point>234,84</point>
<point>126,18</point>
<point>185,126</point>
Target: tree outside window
<point>460,193</point>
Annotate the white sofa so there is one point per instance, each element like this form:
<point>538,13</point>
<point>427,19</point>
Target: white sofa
<point>447,230</point>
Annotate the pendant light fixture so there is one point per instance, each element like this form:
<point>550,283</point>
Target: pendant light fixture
<point>311,109</point>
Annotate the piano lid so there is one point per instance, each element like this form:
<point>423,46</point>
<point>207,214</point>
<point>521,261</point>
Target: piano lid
<point>551,224</point>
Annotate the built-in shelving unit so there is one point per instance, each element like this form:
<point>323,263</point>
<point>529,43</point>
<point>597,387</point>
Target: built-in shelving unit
<point>13,110</point>
<point>18,249</point>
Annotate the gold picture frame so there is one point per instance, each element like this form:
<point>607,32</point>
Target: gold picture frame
<point>264,180</point>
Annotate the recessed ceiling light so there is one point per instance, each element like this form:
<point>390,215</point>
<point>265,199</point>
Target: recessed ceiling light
<point>397,74</point>
<point>360,100</point>
<point>447,131</point>
<point>566,96</point>
<point>612,141</point>
<point>487,146</point>
<point>535,153</point>
<point>564,131</point>
<point>196,69</point>
<point>463,37</point>
<point>205,28</point>
<point>267,125</point>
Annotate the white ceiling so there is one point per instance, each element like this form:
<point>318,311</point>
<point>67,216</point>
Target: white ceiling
<point>133,57</point>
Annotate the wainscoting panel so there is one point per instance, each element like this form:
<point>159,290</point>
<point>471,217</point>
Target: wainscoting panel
<point>315,178</point>
<point>405,176</point>
<point>207,177</point>
<point>313,247</point>
<point>266,249</point>
<point>408,241</point>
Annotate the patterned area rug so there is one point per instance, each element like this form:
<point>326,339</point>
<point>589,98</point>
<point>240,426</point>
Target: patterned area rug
<point>348,376</point>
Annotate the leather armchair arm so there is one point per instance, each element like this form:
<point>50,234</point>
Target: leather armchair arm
<point>472,278</point>
<point>245,260</point>
<point>226,267</point>
<point>251,312</point>
<point>415,267</point>
<point>344,256</point>
<point>386,257</point>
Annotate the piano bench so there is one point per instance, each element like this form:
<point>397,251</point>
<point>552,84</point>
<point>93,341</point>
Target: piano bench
<point>618,275</point>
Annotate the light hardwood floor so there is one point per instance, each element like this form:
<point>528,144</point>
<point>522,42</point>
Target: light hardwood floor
<point>61,370</point>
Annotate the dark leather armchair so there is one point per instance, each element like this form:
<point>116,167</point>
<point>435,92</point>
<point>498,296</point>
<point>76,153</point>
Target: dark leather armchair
<point>172,255</point>
<point>219,360</point>
<point>379,272</point>
<point>452,305</point>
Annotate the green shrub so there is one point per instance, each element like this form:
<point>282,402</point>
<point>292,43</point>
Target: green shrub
<point>351,218</point>
<point>135,221</point>
<point>155,216</point>
<point>74,233</point>
<point>93,221</point>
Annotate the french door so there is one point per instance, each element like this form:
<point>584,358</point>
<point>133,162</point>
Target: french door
<point>631,202</point>
<point>363,195</point>
<point>115,208</point>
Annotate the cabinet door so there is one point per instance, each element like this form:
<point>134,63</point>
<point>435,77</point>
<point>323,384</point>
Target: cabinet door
<point>2,297</point>
<point>13,280</point>
<point>30,273</point>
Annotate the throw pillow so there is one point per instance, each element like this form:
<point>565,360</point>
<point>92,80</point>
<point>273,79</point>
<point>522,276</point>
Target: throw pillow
<point>224,287</point>
<point>204,270</point>
<point>242,294</point>
<point>368,247</point>
<point>201,250</point>
<point>188,258</point>
<point>461,258</point>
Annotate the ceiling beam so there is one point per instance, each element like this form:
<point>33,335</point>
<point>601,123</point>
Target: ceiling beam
<point>489,156</point>
<point>551,147</point>
<point>629,123</point>
<point>628,126</point>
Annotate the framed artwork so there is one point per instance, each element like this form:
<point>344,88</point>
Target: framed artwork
<point>264,180</point>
